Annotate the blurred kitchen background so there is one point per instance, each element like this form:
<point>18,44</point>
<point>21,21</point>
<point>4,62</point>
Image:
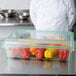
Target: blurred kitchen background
<point>14,4</point>
<point>18,18</point>
<point>14,14</point>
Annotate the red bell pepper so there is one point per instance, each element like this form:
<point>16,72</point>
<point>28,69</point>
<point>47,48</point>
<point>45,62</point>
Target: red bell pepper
<point>39,53</point>
<point>15,51</point>
<point>25,53</point>
<point>21,37</point>
<point>64,53</point>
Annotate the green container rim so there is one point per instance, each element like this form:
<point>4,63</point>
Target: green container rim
<point>6,42</point>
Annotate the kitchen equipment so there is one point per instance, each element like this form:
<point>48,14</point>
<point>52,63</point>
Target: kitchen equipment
<point>22,15</point>
<point>8,13</point>
<point>1,16</point>
<point>44,45</point>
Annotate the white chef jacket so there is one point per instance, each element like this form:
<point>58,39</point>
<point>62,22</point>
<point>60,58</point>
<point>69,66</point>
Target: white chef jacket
<point>52,14</point>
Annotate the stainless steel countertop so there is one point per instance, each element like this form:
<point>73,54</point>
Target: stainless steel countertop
<point>14,21</point>
<point>20,66</point>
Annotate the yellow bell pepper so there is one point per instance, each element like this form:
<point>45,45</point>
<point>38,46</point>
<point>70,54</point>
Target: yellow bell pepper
<point>54,51</point>
<point>50,52</point>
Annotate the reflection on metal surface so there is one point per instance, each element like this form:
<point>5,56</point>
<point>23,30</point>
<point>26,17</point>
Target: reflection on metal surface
<point>22,66</point>
<point>38,63</point>
<point>63,64</point>
<point>48,64</point>
<point>14,22</point>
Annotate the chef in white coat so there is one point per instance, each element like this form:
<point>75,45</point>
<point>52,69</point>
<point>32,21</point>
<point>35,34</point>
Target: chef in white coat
<point>54,15</point>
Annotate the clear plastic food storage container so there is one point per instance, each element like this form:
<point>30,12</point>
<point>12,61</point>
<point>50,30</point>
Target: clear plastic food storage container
<point>43,45</point>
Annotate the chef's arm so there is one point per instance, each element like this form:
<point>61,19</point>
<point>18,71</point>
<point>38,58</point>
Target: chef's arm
<point>71,14</point>
<point>33,11</point>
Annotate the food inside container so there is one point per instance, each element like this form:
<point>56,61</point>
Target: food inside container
<point>42,45</point>
<point>39,53</point>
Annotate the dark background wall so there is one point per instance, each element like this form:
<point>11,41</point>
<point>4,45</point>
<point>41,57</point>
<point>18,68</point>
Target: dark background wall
<point>75,2</point>
<point>74,27</point>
